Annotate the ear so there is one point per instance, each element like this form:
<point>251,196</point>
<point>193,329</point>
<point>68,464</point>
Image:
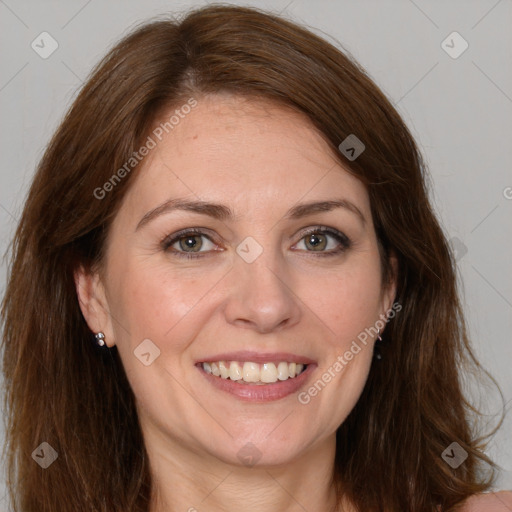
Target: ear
<point>389,288</point>
<point>93,303</point>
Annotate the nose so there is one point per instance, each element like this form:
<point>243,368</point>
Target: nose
<point>261,296</point>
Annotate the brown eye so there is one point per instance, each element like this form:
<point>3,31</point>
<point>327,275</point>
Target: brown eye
<point>188,243</point>
<point>324,241</point>
<point>316,242</point>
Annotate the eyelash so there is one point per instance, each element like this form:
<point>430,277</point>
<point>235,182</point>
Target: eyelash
<point>341,238</point>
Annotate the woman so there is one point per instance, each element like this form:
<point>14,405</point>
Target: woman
<point>239,216</point>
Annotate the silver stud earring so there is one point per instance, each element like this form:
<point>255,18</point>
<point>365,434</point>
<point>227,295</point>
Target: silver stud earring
<point>100,339</point>
<point>377,354</point>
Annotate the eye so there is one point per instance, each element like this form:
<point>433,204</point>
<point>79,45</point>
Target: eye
<point>188,243</point>
<point>195,243</point>
<point>325,241</point>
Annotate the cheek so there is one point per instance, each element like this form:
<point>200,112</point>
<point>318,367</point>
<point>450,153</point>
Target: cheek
<point>346,301</point>
<point>348,305</point>
<point>154,296</point>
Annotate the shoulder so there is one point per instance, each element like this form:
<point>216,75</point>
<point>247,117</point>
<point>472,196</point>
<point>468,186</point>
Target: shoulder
<point>489,502</point>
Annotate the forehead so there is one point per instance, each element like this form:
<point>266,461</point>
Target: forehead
<point>251,154</point>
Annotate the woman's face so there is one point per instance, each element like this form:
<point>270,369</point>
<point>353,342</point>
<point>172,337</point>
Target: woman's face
<point>282,269</point>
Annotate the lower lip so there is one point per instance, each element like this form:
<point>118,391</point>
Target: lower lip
<point>261,392</point>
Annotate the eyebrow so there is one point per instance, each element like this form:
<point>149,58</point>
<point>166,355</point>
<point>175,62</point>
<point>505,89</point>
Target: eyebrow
<point>223,212</point>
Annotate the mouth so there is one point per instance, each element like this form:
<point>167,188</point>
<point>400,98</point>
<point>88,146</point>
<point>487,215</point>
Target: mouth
<point>257,377</point>
<point>248,372</point>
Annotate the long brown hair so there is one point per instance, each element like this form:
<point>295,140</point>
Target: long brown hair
<point>61,390</point>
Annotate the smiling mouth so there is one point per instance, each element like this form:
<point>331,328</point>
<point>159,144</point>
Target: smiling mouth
<point>253,373</point>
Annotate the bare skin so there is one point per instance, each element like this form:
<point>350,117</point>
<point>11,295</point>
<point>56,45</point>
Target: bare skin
<point>309,293</point>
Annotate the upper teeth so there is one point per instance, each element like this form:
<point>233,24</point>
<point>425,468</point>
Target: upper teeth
<point>253,372</point>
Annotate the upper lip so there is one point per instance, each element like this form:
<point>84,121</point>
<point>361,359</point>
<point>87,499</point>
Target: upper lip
<point>257,357</point>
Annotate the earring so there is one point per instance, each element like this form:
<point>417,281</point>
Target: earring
<point>100,339</point>
<point>377,354</point>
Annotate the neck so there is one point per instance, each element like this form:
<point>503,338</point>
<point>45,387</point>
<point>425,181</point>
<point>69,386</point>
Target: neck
<point>199,482</point>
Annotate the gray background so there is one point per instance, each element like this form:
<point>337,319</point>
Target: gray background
<point>459,109</point>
